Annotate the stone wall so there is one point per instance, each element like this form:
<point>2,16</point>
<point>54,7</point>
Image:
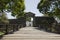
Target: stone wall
<point>21,21</point>
<point>13,25</point>
<point>43,20</point>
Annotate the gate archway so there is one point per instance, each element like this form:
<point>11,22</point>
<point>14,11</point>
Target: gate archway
<point>30,19</point>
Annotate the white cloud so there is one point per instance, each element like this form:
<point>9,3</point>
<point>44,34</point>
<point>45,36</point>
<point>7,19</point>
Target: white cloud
<point>31,6</point>
<point>9,16</point>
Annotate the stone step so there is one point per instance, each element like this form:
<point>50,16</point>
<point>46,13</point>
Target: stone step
<point>30,39</point>
<point>30,33</point>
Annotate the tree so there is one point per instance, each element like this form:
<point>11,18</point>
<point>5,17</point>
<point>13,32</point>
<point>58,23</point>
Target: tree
<point>3,4</point>
<point>50,7</point>
<point>16,7</point>
<point>3,19</point>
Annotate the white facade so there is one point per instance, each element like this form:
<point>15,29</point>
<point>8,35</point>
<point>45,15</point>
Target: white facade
<point>29,23</point>
<point>57,19</point>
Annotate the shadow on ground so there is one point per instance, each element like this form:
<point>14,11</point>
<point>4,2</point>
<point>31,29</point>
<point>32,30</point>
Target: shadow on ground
<point>44,29</point>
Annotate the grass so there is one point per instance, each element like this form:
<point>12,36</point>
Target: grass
<point>1,33</point>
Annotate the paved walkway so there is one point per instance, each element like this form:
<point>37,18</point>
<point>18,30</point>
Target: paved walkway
<point>30,33</point>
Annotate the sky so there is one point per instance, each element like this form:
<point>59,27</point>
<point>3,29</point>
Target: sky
<point>31,6</point>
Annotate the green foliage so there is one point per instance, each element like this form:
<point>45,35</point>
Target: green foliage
<point>16,7</point>
<point>28,18</point>
<point>1,33</point>
<point>44,6</point>
<point>3,4</point>
<point>50,7</point>
<point>3,19</point>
